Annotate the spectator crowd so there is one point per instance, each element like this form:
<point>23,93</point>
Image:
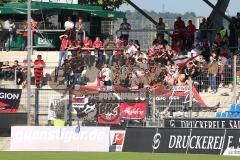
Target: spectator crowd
<point>201,56</point>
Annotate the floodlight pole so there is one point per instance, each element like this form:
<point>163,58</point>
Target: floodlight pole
<point>29,49</point>
<point>234,78</point>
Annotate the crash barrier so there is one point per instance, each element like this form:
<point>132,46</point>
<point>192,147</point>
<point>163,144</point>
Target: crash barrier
<point>45,138</point>
<point>192,141</point>
<point>11,119</point>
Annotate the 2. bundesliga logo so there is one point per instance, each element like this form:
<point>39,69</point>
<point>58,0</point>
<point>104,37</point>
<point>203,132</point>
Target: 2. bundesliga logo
<point>118,139</point>
<point>156,141</point>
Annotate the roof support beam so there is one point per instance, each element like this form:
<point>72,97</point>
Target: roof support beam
<point>142,12</point>
<point>220,8</point>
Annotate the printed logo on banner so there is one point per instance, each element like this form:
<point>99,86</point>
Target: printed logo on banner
<point>108,113</point>
<point>118,139</point>
<point>10,99</point>
<point>133,110</point>
<point>3,106</point>
<point>180,97</point>
<point>86,110</point>
<point>156,141</point>
<point>54,106</point>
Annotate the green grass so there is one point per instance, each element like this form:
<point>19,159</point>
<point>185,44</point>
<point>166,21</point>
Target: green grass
<point>107,156</point>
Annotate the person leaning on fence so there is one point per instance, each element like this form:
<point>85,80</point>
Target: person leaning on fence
<point>58,122</point>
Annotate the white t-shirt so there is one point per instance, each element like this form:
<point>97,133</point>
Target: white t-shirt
<point>68,25</point>
<point>106,72</point>
<point>131,50</point>
<point>7,25</point>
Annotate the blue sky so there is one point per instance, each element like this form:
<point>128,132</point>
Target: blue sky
<point>182,6</point>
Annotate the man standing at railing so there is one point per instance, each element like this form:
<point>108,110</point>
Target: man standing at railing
<point>125,27</point>
<point>9,29</point>
<point>38,70</point>
<point>108,43</point>
<point>17,72</point>
<point>160,27</point>
<point>97,44</point>
<point>87,43</point>
<point>80,28</point>
<point>190,34</point>
<point>65,43</point>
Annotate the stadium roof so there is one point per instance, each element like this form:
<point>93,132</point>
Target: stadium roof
<point>21,8</point>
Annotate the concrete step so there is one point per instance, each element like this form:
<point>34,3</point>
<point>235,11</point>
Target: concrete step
<point>5,143</point>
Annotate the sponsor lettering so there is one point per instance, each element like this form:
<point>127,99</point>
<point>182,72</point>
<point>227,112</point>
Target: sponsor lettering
<point>10,96</point>
<point>121,96</point>
<point>200,141</point>
<point>133,111</point>
<point>196,142</point>
<point>202,123</point>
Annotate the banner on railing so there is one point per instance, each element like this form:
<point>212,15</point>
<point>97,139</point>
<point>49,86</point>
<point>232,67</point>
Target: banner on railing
<point>109,107</point>
<point>202,123</point>
<point>9,99</point>
<point>194,141</point>
<point>133,110</point>
<point>109,113</point>
<point>179,96</point>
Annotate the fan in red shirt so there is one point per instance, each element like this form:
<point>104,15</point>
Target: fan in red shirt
<point>180,26</point>
<point>119,45</point>
<point>87,43</point>
<point>119,51</point>
<point>191,29</point>
<point>38,70</point>
<point>97,44</point>
<point>65,44</point>
<point>179,23</point>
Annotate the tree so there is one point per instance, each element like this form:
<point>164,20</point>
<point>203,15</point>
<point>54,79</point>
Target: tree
<point>106,4</point>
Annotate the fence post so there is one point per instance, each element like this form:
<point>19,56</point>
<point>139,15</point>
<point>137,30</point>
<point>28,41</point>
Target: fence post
<point>154,106</point>
<point>190,98</point>
<point>36,107</point>
<point>235,78</point>
<point>70,108</point>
